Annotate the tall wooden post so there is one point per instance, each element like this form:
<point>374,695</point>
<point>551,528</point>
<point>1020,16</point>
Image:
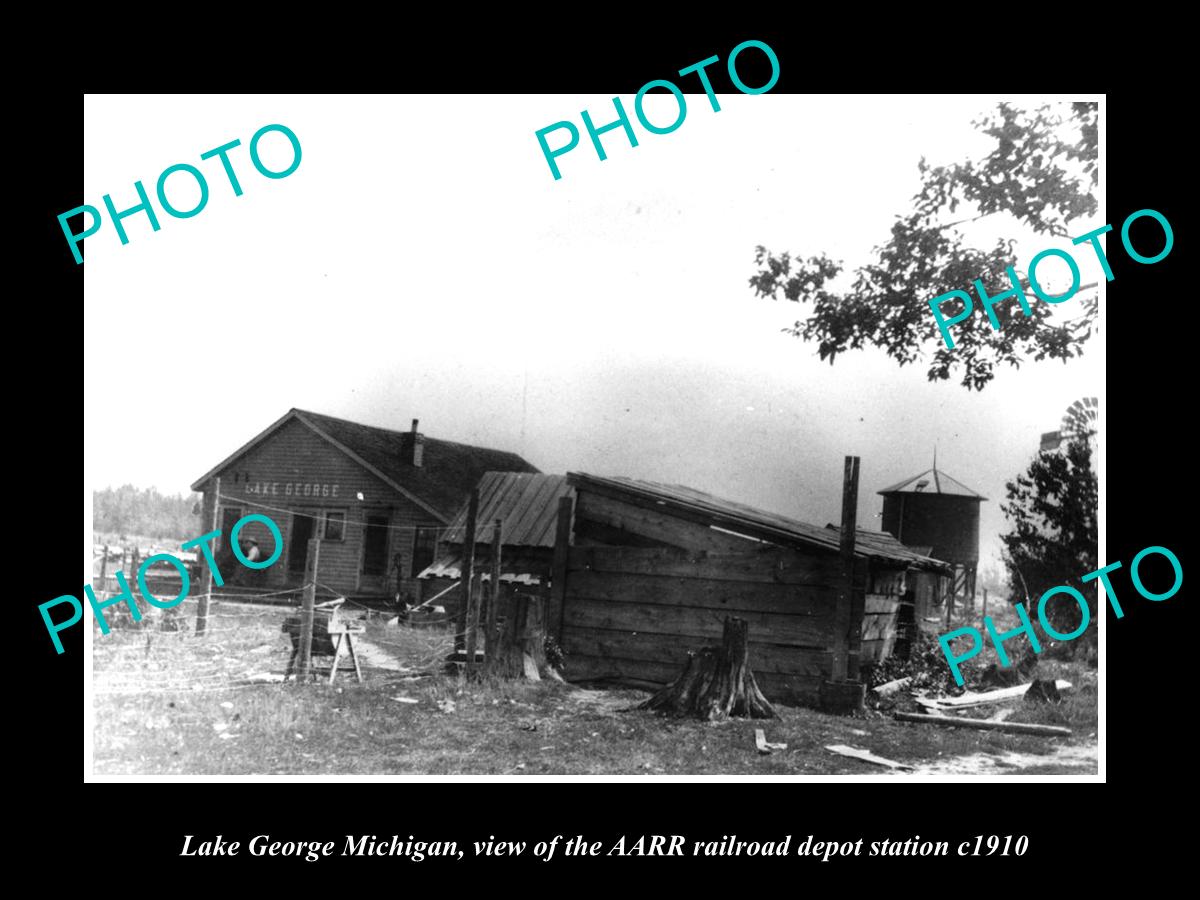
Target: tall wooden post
<point>309,597</point>
<point>558,574</point>
<point>468,575</point>
<point>202,605</point>
<point>103,569</point>
<point>844,620</point>
<point>950,595</point>
<point>984,603</point>
<point>490,636</point>
<point>476,603</point>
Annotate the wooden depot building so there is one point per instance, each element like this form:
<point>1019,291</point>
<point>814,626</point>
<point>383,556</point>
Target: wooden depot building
<point>378,499</point>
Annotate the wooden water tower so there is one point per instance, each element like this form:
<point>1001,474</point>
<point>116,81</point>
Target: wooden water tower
<point>940,515</point>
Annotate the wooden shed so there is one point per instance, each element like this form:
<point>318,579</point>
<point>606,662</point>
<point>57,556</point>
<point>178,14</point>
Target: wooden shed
<point>653,570</point>
<point>378,499</point>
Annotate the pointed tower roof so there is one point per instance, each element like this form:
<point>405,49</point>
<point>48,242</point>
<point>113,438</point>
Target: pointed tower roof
<point>933,481</point>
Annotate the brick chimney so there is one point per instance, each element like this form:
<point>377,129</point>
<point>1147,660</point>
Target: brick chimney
<point>416,443</point>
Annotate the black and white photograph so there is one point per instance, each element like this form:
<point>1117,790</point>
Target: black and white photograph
<point>527,437</point>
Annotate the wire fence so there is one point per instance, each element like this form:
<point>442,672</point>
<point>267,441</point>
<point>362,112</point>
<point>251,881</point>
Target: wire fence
<point>250,640</point>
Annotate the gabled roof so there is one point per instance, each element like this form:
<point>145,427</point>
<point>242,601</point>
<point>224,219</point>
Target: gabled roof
<point>935,482</point>
<point>526,504</point>
<point>448,471</point>
<point>698,506</point>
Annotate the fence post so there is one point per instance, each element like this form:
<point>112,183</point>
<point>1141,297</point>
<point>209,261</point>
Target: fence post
<point>103,569</point>
<point>468,575</point>
<point>490,638</point>
<point>950,597</point>
<point>304,662</point>
<point>206,595</point>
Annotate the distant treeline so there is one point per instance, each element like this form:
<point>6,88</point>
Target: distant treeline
<point>128,510</point>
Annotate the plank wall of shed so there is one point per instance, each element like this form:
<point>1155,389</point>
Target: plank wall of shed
<point>885,590</point>
<point>295,455</point>
<point>644,587</point>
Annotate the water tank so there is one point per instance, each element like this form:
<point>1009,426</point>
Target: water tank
<point>934,511</point>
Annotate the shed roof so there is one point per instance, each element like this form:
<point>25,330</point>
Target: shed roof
<point>933,481</point>
<point>526,503</point>
<point>447,472</point>
<point>918,557</point>
<point>706,508</point>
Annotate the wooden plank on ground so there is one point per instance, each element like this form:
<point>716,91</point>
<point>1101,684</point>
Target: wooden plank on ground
<point>865,756</point>
<point>969,699</point>
<point>985,724</point>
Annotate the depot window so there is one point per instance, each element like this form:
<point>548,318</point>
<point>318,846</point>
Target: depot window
<point>335,526</point>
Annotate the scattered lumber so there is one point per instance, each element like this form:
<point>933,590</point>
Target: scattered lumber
<point>987,724</point>
<point>865,756</point>
<point>979,699</point>
<point>716,682</point>
<point>892,686</point>
<point>764,746</point>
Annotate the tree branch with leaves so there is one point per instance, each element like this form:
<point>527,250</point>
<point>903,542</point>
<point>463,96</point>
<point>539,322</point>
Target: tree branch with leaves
<point>1042,171</point>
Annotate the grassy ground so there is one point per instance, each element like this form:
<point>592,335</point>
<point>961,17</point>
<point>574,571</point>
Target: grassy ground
<point>168,703</point>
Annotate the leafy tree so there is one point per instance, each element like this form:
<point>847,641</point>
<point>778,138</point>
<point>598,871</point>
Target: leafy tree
<point>1052,508</point>
<point>1042,171</point>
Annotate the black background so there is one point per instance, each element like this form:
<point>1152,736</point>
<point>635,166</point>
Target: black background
<point>122,829</point>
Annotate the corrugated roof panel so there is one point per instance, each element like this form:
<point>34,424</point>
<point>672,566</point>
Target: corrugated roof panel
<point>527,566</point>
<point>526,504</point>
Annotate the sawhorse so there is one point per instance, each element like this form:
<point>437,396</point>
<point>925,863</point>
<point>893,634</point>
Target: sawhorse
<point>342,640</point>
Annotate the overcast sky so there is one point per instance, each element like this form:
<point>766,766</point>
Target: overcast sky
<point>422,262</point>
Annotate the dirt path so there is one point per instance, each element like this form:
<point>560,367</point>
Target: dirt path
<point>607,701</point>
<point>377,657</point>
<point>1081,758</point>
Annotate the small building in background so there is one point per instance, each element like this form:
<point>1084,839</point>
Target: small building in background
<point>938,516</point>
<point>378,499</point>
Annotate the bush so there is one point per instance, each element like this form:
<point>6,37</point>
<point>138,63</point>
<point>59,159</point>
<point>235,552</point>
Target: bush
<point>927,666</point>
<point>555,655</point>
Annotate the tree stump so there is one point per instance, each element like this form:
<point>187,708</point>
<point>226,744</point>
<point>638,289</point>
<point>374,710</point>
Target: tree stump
<point>716,682</point>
